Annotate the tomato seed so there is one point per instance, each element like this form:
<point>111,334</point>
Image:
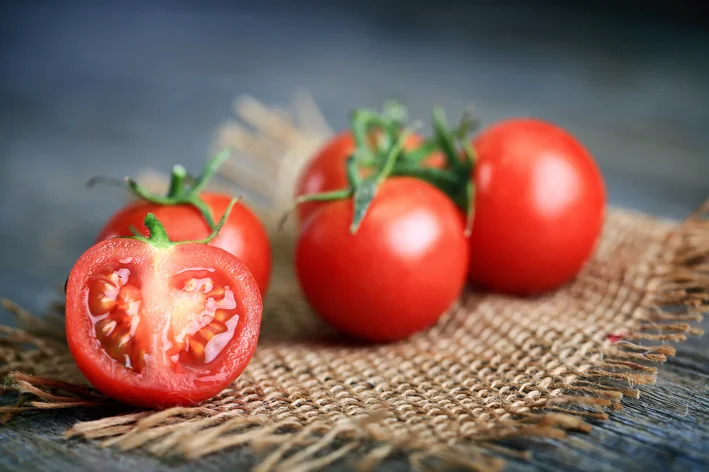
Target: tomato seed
<point>115,308</point>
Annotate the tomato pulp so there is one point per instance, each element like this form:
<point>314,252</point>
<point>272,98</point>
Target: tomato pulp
<point>326,171</point>
<point>539,207</point>
<point>243,234</point>
<point>161,326</point>
<point>401,270</point>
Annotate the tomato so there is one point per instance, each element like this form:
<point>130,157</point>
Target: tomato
<point>243,235</point>
<point>161,325</point>
<point>539,207</point>
<point>401,270</point>
<point>326,171</point>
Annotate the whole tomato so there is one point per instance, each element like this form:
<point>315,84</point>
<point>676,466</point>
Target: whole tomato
<point>326,171</point>
<point>157,324</point>
<point>539,207</point>
<point>401,270</point>
<point>243,234</point>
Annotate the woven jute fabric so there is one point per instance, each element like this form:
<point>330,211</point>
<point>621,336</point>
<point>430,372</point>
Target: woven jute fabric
<point>494,367</point>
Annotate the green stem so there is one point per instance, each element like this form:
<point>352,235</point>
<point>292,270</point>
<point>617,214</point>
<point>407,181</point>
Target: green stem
<point>359,128</point>
<point>363,120</point>
<point>390,122</point>
<point>354,178</point>
<point>421,153</point>
<point>158,236</point>
<point>144,194</point>
<point>394,152</point>
<point>177,181</point>
<point>183,190</point>
<point>219,225</point>
<point>437,177</point>
<point>314,197</point>
<point>389,157</point>
<point>395,113</point>
<point>470,154</point>
<point>467,124</point>
<point>324,196</point>
<point>210,170</point>
<point>102,179</point>
<point>445,139</point>
<point>366,190</point>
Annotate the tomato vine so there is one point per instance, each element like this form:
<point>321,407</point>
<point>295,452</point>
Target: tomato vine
<point>386,156</point>
<point>183,188</point>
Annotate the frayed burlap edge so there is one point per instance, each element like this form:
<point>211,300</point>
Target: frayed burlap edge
<point>678,295</point>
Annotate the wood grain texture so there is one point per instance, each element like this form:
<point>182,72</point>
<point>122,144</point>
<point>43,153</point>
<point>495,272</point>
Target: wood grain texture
<point>111,89</point>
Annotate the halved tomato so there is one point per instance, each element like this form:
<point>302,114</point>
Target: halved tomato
<point>161,324</point>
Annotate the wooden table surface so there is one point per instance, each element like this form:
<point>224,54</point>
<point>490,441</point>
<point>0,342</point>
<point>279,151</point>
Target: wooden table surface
<point>87,90</point>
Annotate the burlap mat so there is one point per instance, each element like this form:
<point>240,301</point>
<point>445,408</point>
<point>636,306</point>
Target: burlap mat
<point>493,368</point>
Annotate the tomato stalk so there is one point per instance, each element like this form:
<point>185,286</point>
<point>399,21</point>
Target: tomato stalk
<point>388,157</point>
<point>183,189</point>
<point>467,124</point>
<point>365,190</point>
<point>456,179</point>
<point>363,121</point>
<point>158,236</point>
<point>362,190</point>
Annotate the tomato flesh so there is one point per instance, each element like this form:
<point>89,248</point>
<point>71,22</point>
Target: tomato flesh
<point>161,327</point>
<point>115,312</point>
<point>207,321</point>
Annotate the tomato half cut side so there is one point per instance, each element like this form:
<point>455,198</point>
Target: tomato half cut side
<point>159,327</point>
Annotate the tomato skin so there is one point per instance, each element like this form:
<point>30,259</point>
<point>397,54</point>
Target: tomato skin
<point>243,235</point>
<point>539,207</point>
<point>397,275</point>
<point>326,171</point>
<point>158,387</point>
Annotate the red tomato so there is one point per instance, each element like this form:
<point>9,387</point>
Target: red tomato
<point>326,171</point>
<point>243,235</point>
<point>158,327</point>
<point>539,207</point>
<point>395,276</point>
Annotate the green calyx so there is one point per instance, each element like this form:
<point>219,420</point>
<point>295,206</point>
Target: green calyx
<point>158,236</point>
<point>390,158</point>
<point>183,190</point>
<point>364,190</point>
<point>455,179</point>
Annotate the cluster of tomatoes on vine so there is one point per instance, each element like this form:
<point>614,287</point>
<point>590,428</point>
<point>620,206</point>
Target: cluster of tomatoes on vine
<point>165,309</point>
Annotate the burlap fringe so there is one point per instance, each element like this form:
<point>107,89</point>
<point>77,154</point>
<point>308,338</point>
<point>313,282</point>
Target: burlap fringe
<point>679,295</point>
